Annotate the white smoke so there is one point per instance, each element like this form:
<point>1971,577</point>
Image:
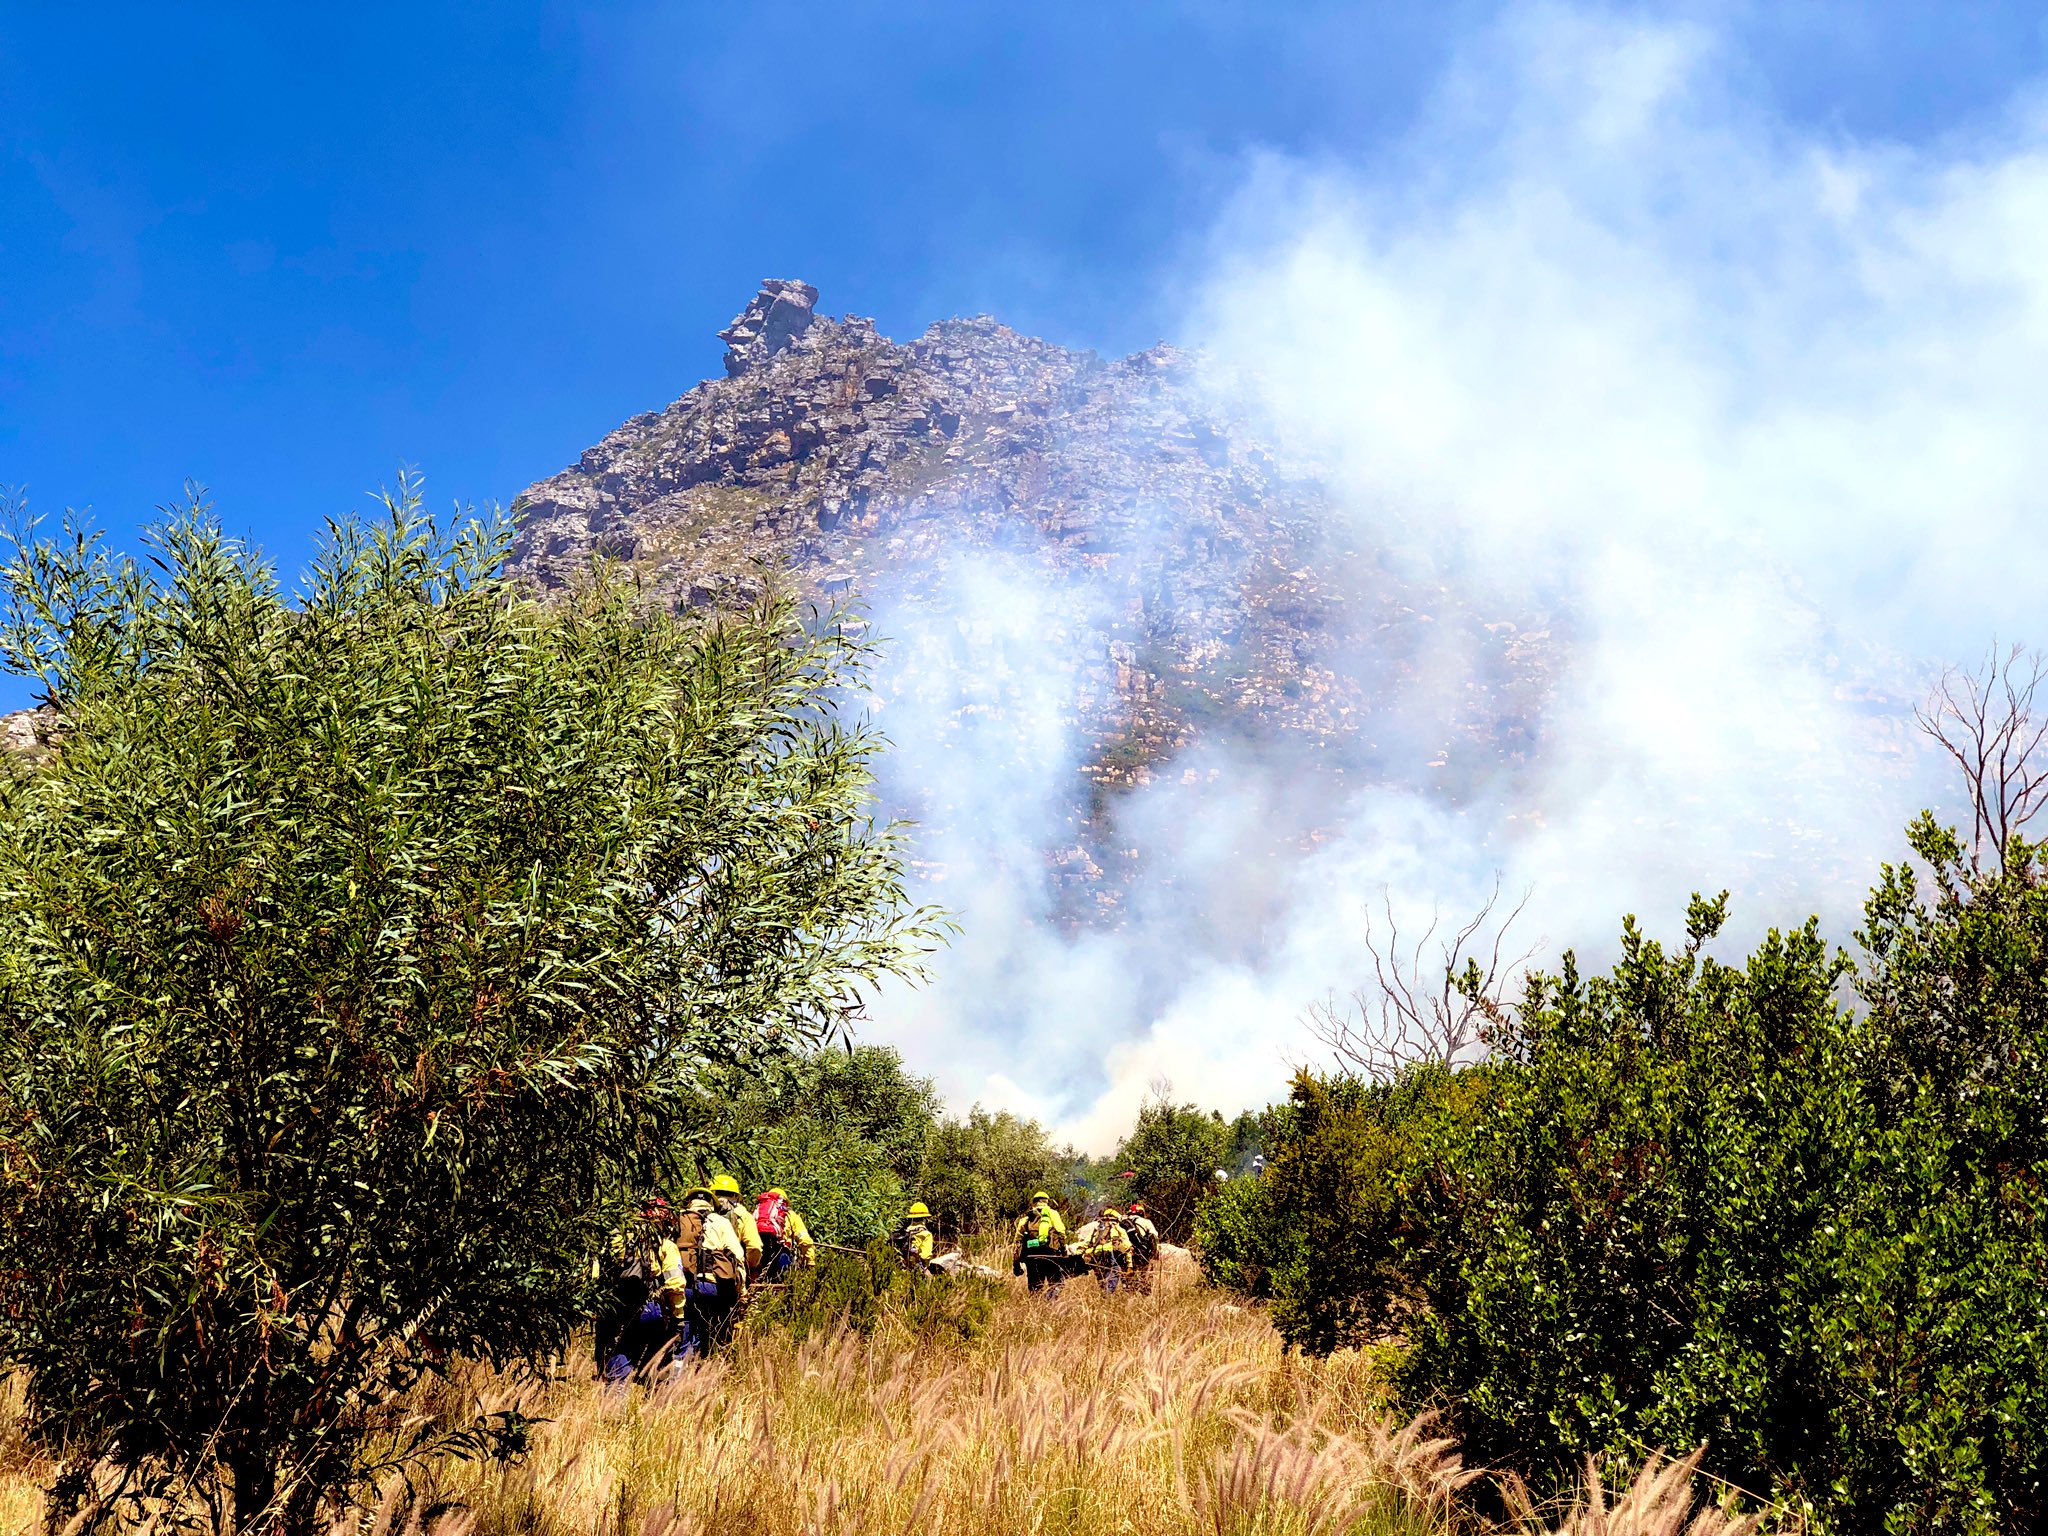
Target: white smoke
<point>1760,409</point>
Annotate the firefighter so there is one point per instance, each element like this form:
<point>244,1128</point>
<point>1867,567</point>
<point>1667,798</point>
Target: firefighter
<point>1144,1246</point>
<point>725,1194</point>
<point>785,1240</point>
<point>1041,1244</point>
<point>712,1262</point>
<point>644,1277</point>
<point>1106,1246</point>
<point>913,1240</point>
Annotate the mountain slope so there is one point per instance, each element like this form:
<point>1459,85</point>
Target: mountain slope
<point>1208,586</point>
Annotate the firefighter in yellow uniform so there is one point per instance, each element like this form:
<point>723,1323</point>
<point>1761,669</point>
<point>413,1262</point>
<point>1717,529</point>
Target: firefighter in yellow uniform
<point>1106,1246</point>
<point>913,1239</point>
<point>725,1191</point>
<point>712,1261</point>
<point>644,1276</point>
<point>1144,1246</point>
<point>1041,1244</point>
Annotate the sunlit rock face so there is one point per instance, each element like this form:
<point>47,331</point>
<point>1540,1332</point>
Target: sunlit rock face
<point>1191,580</point>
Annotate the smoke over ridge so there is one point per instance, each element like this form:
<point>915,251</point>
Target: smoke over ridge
<point>1754,413</point>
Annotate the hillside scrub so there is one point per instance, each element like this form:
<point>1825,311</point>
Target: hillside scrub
<point>980,1173</point>
<point>1172,1155</point>
<point>360,950</point>
<point>1698,1203</point>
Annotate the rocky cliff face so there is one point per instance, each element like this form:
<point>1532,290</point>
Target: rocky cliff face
<point>1213,592</point>
<point>855,462</point>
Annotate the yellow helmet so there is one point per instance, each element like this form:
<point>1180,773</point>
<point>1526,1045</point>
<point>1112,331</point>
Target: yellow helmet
<point>774,1194</point>
<point>1114,1214</point>
<point>725,1184</point>
<point>1038,1195</point>
<point>917,1208</point>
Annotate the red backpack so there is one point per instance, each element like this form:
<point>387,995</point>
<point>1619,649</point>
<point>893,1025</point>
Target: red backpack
<point>771,1215</point>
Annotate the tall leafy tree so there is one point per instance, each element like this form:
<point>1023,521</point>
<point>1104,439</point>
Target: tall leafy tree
<point>358,950</point>
<point>1172,1156</point>
<point>982,1171</point>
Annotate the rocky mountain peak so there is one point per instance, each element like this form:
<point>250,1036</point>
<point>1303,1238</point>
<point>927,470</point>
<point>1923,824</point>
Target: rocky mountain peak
<point>1194,580</point>
<point>782,311</point>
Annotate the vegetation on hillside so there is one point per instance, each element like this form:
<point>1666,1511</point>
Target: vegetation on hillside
<point>367,953</point>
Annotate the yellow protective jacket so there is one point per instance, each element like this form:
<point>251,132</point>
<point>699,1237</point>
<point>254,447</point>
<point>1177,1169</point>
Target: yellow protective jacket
<point>1103,1241</point>
<point>914,1241</point>
<point>799,1237</point>
<point>742,1221</point>
<point>670,1260</point>
<point>1041,1232</point>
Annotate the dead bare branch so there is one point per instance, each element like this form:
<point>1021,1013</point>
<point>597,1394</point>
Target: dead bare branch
<point>1989,722</point>
<point>1415,1008</point>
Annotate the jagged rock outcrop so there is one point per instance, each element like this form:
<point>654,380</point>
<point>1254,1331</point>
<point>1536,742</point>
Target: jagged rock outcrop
<point>781,312</point>
<point>1213,589</point>
<point>857,462</point>
<point>30,735</point>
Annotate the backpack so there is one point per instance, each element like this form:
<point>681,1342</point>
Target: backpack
<point>1041,1236</point>
<point>1144,1244</point>
<point>633,1259</point>
<point>771,1216</point>
<point>1103,1239</point>
<point>700,1262</point>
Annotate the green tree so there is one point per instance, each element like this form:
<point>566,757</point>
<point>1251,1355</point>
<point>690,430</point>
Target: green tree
<point>1173,1154</point>
<point>842,1132</point>
<point>981,1171</point>
<point>1248,1135</point>
<point>868,1092</point>
<point>356,951</point>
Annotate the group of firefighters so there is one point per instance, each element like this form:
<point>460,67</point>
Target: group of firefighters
<point>678,1280</point>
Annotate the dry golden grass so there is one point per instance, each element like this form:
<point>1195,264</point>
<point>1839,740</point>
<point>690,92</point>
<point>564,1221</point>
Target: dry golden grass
<point>1174,1412</point>
<point>1114,1416</point>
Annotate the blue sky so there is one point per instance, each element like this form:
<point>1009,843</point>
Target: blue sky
<point>281,254</point>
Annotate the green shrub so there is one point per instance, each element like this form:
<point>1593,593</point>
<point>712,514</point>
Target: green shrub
<point>980,1172</point>
<point>1695,1202</point>
<point>1937,1324</point>
<point>946,1311</point>
<point>1238,1237</point>
<point>1172,1154</point>
<point>867,1291</point>
<point>1623,1251</point>
<point>1336,1204</point>
<point>837,1180</point>
<point>854,1288</point>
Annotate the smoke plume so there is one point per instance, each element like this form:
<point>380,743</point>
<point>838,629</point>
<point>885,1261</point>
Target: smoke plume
<point>1754,411</point>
